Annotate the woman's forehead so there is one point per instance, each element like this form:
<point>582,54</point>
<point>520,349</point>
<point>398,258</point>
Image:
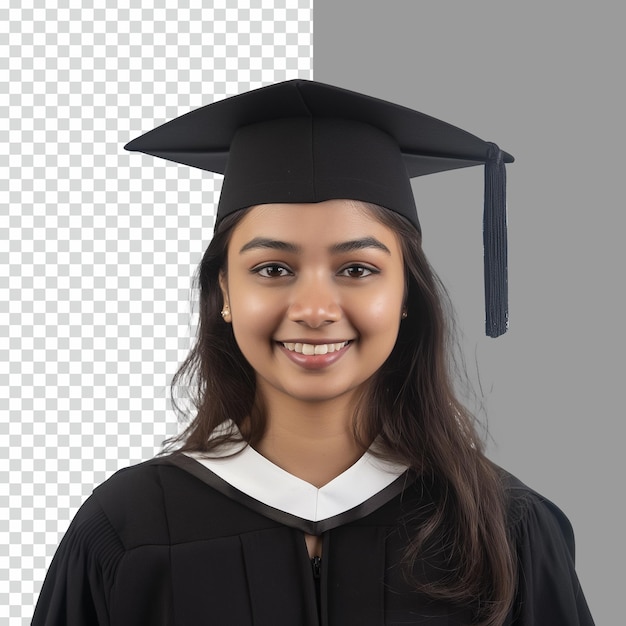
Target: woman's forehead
<point>330,219</point>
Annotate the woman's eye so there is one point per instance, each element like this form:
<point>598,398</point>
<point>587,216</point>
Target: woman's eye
<point>356,271</point>
<point>272,271</point>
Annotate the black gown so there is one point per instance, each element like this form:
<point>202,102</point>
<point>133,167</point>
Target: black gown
<point>170,542</point>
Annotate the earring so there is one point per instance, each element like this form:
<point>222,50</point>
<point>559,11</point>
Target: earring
<point>404,314</point>
<point>225,313</point>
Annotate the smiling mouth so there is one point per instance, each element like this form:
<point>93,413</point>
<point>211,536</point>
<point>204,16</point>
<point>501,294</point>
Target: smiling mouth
<point>310,349</point>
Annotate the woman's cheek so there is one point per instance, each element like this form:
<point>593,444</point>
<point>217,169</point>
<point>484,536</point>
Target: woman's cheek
<point>380,310</point>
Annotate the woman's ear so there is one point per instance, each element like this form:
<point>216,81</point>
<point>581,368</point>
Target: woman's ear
<point>223,285</point>
<point>226,314</point>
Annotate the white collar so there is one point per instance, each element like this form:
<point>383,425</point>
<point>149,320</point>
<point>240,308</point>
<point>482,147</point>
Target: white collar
<point>253,474</point>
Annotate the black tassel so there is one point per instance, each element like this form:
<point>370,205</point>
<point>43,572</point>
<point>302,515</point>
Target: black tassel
<point>495,245</point>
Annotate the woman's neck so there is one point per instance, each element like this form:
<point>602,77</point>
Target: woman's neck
<point>314,442</point>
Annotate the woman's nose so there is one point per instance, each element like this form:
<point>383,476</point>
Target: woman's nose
<point>314,302</point>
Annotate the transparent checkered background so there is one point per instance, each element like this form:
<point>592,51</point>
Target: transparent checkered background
<point>98,245</point>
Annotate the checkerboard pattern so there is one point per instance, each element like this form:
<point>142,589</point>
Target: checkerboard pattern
<point>97,245</point>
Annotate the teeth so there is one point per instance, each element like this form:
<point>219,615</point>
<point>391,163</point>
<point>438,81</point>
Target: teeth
<point>310,349</point>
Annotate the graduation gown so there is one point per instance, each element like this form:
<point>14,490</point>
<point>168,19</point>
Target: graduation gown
<point>180,541</point>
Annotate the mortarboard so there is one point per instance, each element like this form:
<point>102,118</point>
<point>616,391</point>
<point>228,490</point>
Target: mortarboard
<point>303,141</point>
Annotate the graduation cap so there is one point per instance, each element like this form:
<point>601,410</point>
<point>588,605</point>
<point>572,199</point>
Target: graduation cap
<point>302,141</point>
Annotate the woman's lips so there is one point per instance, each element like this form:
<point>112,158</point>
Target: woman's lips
<point>314,356</point>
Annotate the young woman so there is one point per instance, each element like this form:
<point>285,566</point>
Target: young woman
<point>329,475</point>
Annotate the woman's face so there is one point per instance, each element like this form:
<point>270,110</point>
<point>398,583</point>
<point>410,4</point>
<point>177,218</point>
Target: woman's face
<point>315,293</point>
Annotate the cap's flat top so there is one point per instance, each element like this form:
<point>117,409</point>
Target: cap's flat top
<point>429,145</point>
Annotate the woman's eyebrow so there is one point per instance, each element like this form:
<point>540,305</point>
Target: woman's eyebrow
<point>266,242</point>
<point>359,244</point>
<point>337,248</point>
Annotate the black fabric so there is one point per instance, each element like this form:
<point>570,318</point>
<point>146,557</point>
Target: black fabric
<point>155,545</point>
<point>312,160</point>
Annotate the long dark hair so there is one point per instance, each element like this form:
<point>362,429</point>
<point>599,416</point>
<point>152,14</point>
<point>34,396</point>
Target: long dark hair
<point>410,406</point>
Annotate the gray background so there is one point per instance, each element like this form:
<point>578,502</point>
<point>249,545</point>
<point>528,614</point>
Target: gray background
<point>545,80</point>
